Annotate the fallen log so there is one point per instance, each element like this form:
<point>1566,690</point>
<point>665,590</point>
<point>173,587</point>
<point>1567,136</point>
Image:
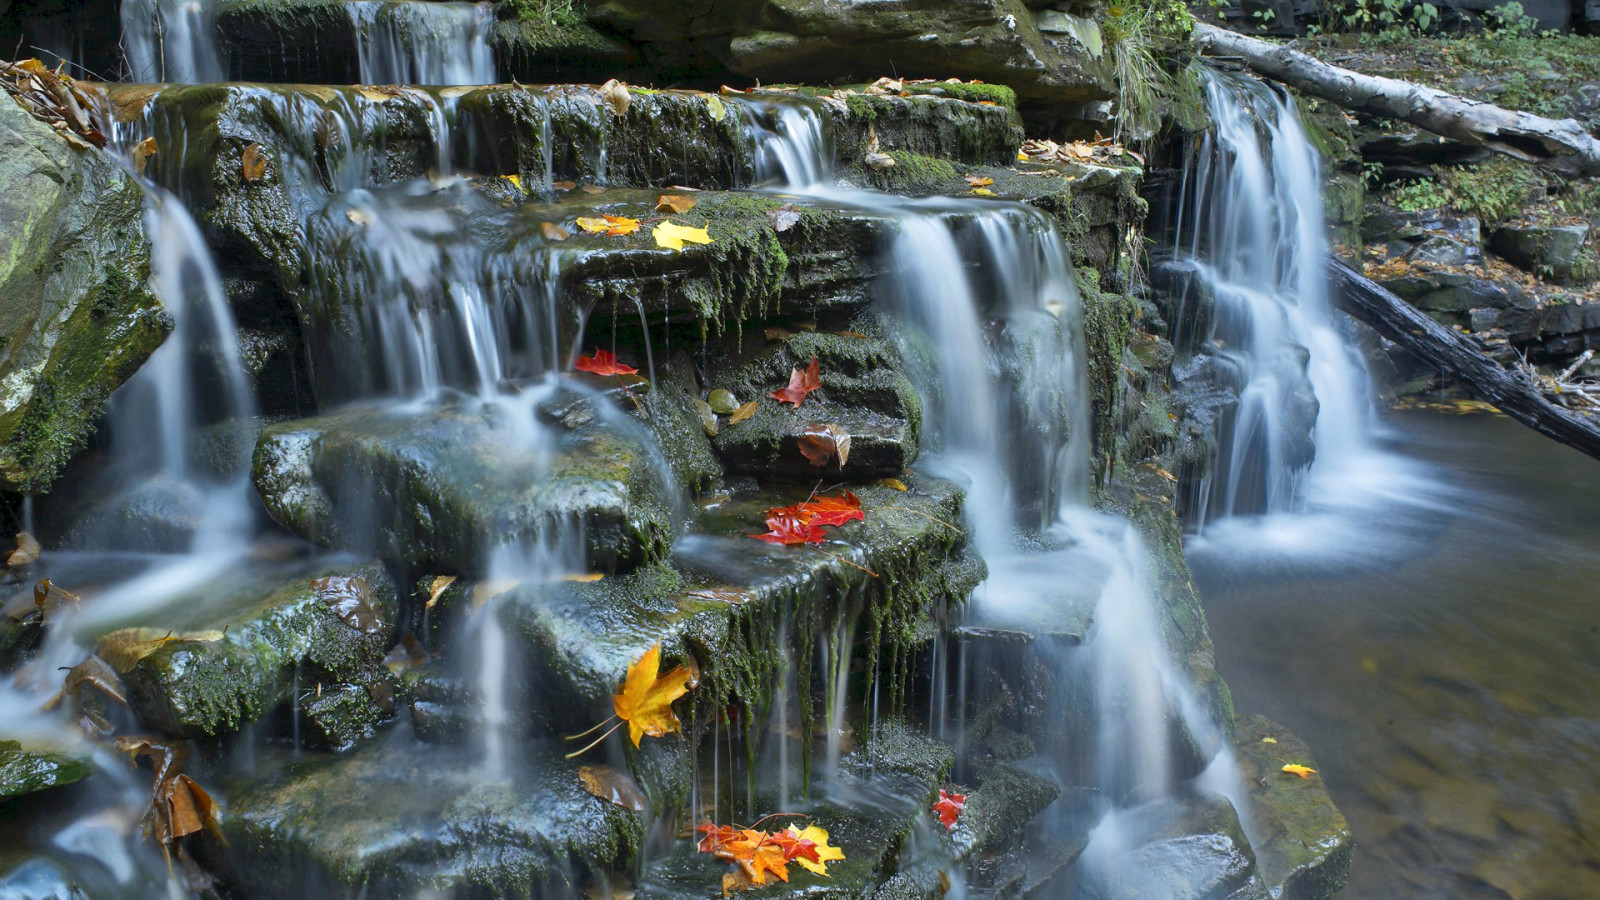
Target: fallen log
<point>1513,392</point>
<point>1558,145</point>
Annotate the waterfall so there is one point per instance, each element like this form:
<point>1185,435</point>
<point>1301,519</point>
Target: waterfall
<point>171,41</point>
<point>423,43</point>
<point>1250,226</point>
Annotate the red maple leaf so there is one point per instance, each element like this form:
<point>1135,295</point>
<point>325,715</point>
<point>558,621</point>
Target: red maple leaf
<point>715,836</point>
<point>796,847</point>
<point>603,363</point>
<point>791,530</point>
<point>836,510</point>
<point>800,384</point>
<point>949,807</point>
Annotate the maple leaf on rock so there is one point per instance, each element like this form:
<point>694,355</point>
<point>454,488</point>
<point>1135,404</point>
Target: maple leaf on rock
<point>603,362</point>
<point>812,848</point>
<point>1302,771</point>
<point>949,807</point>
<point>823,511</point>
<point>800,384</point>
<point>789,530</point>
<point>645,701</point>
<point>758,854</point>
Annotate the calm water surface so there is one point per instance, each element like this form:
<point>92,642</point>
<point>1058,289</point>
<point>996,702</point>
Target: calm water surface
<point>1434,635</point>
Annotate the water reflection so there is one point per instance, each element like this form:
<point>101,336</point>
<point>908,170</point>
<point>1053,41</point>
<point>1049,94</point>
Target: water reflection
<point>1434,637</point>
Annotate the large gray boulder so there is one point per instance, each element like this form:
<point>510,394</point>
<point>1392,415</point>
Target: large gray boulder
<point>77,317</point>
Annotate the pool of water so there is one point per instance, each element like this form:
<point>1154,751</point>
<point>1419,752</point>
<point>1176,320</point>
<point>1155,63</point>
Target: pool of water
<point>1435,636</point>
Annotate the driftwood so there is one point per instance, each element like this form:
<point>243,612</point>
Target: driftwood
<point>1561,146</point>
<point>1512,391</point>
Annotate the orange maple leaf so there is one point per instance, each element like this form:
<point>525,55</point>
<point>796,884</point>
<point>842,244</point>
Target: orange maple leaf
<point>836,510</point>
<point>603,363</point>
<point>949,807</point>
<point>758,854</point>
<point>800,384</point>
<point>645,701</point>
<point>788,530</point>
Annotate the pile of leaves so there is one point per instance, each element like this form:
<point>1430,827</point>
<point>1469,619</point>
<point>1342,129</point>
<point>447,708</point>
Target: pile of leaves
<point>802,523</point>
<point>760,854</point>
<point>1099,149</point>
<point>53,97</point>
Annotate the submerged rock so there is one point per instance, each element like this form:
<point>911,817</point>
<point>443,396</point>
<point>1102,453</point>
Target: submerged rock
<point>443,486</point>
<point>224,657</point>
<point>1192,848</point>
<point>77,316</point>
<point>23,771</point>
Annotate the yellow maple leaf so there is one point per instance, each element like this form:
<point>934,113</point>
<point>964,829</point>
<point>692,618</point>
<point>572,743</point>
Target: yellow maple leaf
<point>825,853</point>
<point>608,225</point>
<point>645,701</point>
<point>672,235</point>
<point>1302,771</point>
<point>982,192</point>
<point>516,181</point>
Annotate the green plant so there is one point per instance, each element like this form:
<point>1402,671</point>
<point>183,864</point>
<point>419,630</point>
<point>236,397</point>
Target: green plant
<point>1394,19</point>
<point>553,12</point>
<point>1495,191</point>
<point>1140,34</point>
<point>1510,19</point>
<point>1421,194</point>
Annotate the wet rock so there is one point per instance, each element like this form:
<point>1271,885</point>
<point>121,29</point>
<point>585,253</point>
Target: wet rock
<point>864,391</point>
<point>400,818</point>
<point>1184,848</point>
<point>1569,318</point>
<point>441,486</point>
<point>40,878</point>
<point>1303,845</point>
<point>23,771</point>
<point>1548,250</point>
<point>77,317</point>
<point>1456,292</point>
<point>245,644</point>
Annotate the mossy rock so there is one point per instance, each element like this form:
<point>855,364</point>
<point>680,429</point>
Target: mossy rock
<point>23,771</point>
<point>445,485</point>
<point>77,316</point>
<point>1303,845</point>
<point>222,659</point>
<point>864,391</point>
<point>400,818</point>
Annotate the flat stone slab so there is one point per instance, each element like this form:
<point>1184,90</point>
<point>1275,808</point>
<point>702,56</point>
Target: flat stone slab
<point>444,485</point>
<point>402,817</point>
<point>25,770</point>
<point>1303,844</point>
<point>215,661</point>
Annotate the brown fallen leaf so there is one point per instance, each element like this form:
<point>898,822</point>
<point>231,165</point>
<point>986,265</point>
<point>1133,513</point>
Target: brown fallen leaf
<point>851,334</point>
<point>674,203</point>
<point>776,334</point>
<point>436,589</point>
<point>553,232</point>
<point>820,444</point>
<point>124,649</point>
<point>27,551</point>
<point>784,218</point>
<point>352,599</point>
<point>51,600</point>
<point>254,163</point>
<point>743,412</point>
<point>893,484</point>
<point>613,226</point>
<point>142,152</point>
<point>564,185</point>
<point>407,654</point>
<point>614,94</point>
<point>613,786</point>
<point>978,181</point>
<point>592,189</point>
<point>92,672</point>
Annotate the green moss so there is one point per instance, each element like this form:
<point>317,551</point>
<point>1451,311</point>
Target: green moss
<point>997,94</point>
<point>914,174</point>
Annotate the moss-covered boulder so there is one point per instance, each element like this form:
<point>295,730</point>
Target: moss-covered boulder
<point>399,818</point>
<point>216,661</point>
<point>864,392</point>
<point>445,485</point>
<point>77,316</point>
<point>23,770</point>
<point>1303,845</point>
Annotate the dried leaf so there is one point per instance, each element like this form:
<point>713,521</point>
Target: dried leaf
<point>1302,771</point>
<point>553,232</point>
<point>949,807</point>
<point>852,334</point>
<point>514,180</point>
<point>27,551</point>
<point>142,152</point>
<point>743,412</point>
<point>645,701</point>
<point>784,218</point>
<point>614,94</point>
<point>125,648</point>
<point>603,362</point>
<point>408,654</point>
<point>800,384</point>
<point>978,181</point>
<point>879,161</point>
<point>777,334</point>
<point>51,600</point>
<point>436,589</point>
<point>592,189</point>
<point>820,444</point>
<point>893,484</point>
<point>608,225</point>
<point>484,591</point>
<point>672,235</point>
<point>94,673</point>
<point>613,786</point>
<point>253,162</point>
<point>352,599</point>
<point>582,577</point>
<point>563,185</point>
<point>674,203</point>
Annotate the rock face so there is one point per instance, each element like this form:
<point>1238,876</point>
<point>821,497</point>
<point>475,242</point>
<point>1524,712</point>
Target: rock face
<point>1303,846</point>
<point>76,314</point>
<point>1549,250</point>
<point>23,771</point>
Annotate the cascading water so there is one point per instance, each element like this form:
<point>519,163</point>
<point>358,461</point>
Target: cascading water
<point>171,41</point>
<point>1250,227</point>
<point>423,43</point>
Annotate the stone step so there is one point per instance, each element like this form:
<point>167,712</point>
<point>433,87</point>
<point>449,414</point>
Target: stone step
<point>443,485</point>
<point>402,818</point>
<point>216,658</point>
<point>1302,843</point>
